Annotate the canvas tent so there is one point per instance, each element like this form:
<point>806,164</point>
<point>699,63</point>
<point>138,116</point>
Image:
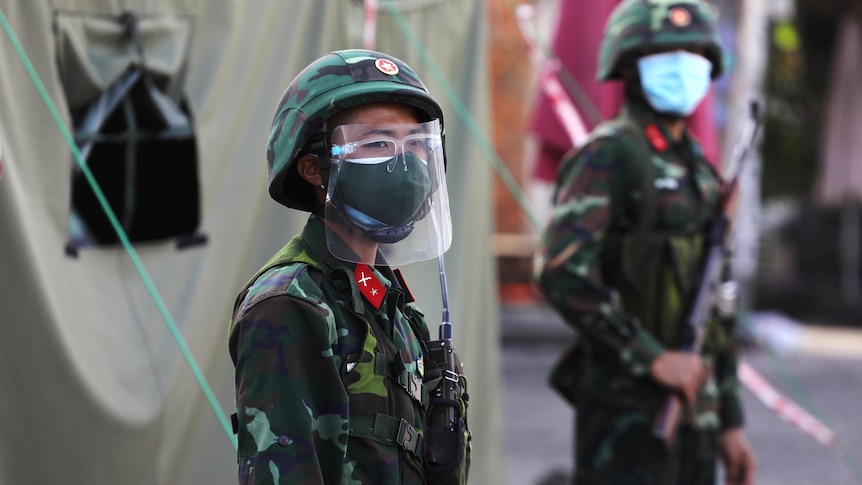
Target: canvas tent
<point>93,387</point>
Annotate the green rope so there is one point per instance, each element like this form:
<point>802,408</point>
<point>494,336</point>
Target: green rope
<point>181,343</point>
<point>464,115</point>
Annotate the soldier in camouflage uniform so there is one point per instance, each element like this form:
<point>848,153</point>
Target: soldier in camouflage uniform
<point>620,259</point>
<point>332,379</point>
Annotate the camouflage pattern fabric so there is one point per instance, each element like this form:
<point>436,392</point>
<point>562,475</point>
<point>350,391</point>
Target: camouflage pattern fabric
<point>638,26</point>
<point>614,446</point>
<point>329,389</point>
<point>619,261</point>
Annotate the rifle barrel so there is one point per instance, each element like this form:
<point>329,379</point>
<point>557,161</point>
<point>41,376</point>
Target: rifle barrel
<point>667,419</point>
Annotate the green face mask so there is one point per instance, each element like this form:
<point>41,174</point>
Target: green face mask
<point>389,192</point>
<point>387,184</point>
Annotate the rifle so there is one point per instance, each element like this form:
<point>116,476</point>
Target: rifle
<point>701,307</point>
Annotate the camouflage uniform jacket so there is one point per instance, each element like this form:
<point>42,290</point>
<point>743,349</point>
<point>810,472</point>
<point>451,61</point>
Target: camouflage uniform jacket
<point>329,388</point>
<point>619,260</point>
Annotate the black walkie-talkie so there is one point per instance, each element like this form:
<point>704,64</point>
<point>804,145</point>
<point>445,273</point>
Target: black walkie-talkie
<point>447,438</point>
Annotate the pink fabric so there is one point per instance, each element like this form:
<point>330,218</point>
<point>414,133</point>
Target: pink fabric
<point>576,41</point>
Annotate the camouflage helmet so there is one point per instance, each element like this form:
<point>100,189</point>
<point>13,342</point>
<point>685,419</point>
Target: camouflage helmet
<point>636,25</point>
<point>333,83</point>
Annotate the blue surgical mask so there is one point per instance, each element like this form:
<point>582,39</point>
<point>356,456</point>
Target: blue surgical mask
<point>675,82</point>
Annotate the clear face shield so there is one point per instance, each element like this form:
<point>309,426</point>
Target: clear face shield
<point>387,187</point>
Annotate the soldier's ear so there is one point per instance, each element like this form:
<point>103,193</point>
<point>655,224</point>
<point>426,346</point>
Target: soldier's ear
<point>308,169</point>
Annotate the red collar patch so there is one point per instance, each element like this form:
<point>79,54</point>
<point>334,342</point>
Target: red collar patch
<point>656,139</point>
<point>409,298</point>
<point>371,288</point>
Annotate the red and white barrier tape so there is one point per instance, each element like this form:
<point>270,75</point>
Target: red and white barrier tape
<point>784,407</point>
<point>369,33</point>
<point>560,100</point>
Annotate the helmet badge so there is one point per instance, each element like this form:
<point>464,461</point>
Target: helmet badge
<point>679,17</point>
<point>386,66</point>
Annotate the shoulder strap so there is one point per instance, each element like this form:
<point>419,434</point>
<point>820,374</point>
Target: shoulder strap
<point>296,250</point>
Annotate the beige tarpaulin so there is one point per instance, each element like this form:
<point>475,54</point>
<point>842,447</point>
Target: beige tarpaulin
<point>93,388</point>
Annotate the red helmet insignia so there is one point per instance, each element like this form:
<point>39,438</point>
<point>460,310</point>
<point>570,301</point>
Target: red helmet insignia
<point>386,66</point>
<point>679,17</point>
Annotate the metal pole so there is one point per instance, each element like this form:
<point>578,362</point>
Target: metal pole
<point>747,84</point>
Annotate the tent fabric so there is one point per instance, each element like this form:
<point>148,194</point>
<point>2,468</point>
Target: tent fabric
<point>576,40</point>
<point>94,388</point>
<point>94,50</point>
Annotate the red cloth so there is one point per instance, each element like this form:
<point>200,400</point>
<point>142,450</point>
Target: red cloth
<point>577,37</point>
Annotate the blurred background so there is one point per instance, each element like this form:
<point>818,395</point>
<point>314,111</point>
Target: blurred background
<point>797,232</point>
<point>114,352</point>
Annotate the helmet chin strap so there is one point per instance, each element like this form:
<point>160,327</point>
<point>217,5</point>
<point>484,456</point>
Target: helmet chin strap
<point>325,166</point>
<point>319,147</point>
<point>318,209</point>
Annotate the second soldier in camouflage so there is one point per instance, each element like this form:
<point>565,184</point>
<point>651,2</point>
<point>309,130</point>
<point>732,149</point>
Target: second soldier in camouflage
<point>620,259</point>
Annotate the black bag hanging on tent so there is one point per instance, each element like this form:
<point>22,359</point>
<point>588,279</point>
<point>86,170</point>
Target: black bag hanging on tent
<point>140,145</point>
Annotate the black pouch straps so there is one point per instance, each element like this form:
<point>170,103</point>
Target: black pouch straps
<point>398,372</point>
<point>398,430</point>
